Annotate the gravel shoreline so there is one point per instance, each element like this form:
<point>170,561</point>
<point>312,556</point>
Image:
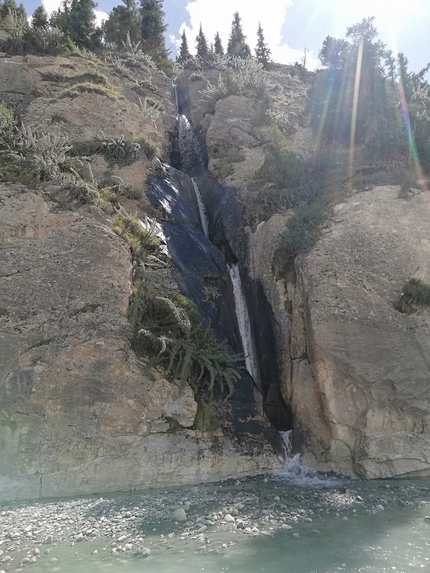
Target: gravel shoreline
<point>210,515</point>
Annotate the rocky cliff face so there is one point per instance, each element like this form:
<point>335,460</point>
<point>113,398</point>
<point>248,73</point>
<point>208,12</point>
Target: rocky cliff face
<point>79,413</point>
<point>355,369</point>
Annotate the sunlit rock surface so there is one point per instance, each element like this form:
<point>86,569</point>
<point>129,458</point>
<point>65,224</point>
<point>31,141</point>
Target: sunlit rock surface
<point>360,389</point>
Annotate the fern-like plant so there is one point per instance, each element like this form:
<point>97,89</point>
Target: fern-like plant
<point>29,156</point>
<point>175,339</point>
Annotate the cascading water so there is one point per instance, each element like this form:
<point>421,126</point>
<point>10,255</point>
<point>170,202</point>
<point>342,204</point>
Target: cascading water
<point>244,322</point>
<point>189,146</point>
<point>202,211</point>
<point>296,472</point>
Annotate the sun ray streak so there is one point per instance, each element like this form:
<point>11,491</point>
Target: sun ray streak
<point>355,108</point>
<point>413,153</point>
<point>326,106</point>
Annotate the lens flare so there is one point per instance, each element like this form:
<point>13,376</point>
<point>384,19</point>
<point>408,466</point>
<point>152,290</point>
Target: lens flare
<point>355,108</point>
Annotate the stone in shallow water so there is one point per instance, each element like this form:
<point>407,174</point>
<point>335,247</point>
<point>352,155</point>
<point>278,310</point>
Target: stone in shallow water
<point>179,515</point>
<point>229,518</point>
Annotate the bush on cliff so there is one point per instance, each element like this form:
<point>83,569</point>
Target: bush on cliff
<point>171,333</point>
<point>415,295</point>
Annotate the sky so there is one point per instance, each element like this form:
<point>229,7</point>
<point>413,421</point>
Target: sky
<point>292,26</point>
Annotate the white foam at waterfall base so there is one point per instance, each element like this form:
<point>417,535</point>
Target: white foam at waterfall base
<point>202,211</point>
<point>296,472</point>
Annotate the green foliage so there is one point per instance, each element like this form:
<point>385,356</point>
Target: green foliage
<point>130,58</point>
<point>242,77</point>
<point>39,18</point>
<point>224,159</point>
<point>184,52</point>
<point>202,45</point>
<point>285,179</point>
<point>8,6</point>
<point>29,156</point>
<point>34,158</point>
<point>110,91</point>
<point>16,27</point>
<point>123,24</point>
<point>142,239</point>
<point>262,50</point>
<point>6,116</point>
<point>119,151</point>
<point>302,233</point>
<point>218,48</point>
<point>152,29</point>
<point>46,40</point>
<point>378,123</point>
<point>415,295</point>
<point>76,19</point>
<point>151,108</point>
<point>176,340</point>
<point>237,45</point>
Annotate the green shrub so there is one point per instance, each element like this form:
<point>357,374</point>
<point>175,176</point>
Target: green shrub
<point>302,233</point>
<point>118,151</point>
<point>46,40</point>
<point>242,77</point>
<point>415,295</point>
<point>142,239</point>
<point>173,336</point>
<point>6,115</point>
<point>29,156</point>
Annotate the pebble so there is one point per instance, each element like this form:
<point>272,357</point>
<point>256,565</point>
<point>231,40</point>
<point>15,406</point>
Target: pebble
<point>241,512</point>
<point>179,515</point>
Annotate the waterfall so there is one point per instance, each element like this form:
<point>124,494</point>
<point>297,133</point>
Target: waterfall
<point>202,212</point>
<point>244,322</point>
<point>189,146</point>
<point>296,472</point>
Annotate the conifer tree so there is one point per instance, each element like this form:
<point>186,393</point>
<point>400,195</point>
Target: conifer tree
<point>82,22</point>
<point>76,19</point>
<point>236,43</point>
<point>60,17</point>
<point>218,45</point>
<point>152,29</point>
<point>262,50</point>
<point>39,18</point>
<point>202,44</point>
<point>123,19</point>
<point>10,5</point>
<point>184,52</point>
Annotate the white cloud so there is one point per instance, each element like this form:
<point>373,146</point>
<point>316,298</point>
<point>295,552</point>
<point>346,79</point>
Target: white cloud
<point>53,5</point>
<point>218,16</point>
<point>100,17</point>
